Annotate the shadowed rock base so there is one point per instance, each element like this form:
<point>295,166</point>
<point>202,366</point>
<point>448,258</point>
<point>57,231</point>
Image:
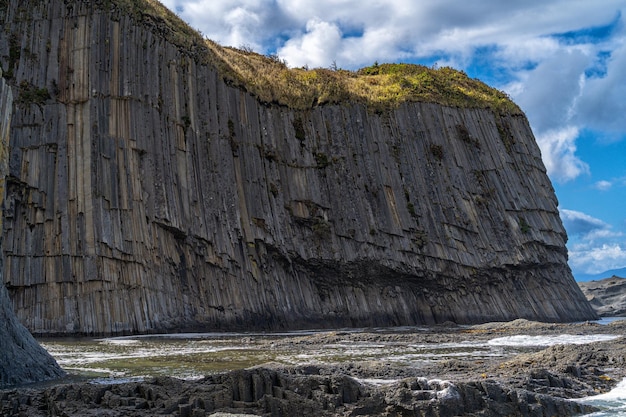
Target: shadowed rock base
<point>22,359</point>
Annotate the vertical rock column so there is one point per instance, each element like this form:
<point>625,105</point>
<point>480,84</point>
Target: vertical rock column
<point>22,359</point>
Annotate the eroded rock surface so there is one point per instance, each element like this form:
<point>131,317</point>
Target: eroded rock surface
<point>146,194</point>
<point>606,296</point>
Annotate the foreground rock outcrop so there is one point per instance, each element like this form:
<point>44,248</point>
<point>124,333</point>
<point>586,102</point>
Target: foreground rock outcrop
<point>267,392</point>
<point>606,296</point>
<point>22,360</point>
<point>147,194</point>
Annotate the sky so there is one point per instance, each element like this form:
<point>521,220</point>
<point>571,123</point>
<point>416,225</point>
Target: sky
<point>562,61</point>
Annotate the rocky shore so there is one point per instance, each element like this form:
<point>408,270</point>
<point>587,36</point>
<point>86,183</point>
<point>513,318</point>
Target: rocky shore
<point>537,383</point>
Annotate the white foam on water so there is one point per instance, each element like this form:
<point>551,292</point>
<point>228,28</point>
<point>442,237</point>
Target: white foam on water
<point>546,340</point>
<point>613,403</point>
<point>376,382</point>
<point>121,342</point>
<point>617,393</point>
<point>70,357</point>
<point>457,345</point>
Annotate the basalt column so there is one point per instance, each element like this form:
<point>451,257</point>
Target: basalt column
<point>22,359</point>
<point>147,194</point>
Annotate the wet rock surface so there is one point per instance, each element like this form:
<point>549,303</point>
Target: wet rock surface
<point>539,383</point>
<point>606,296</point>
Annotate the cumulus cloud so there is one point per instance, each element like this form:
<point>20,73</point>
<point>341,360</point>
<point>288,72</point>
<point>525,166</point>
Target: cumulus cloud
<point>253,23</point>
<point>419,28</point>
<point>315,48</point>
<point>598,248</point>
<point>593,260</point>
<point>552,88</point>
<point>603,185</point>
<point>558,151</point>
<point>578,223</point>
<point>602,105</point>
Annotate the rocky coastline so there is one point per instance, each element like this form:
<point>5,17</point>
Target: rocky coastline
<point>538,383</point>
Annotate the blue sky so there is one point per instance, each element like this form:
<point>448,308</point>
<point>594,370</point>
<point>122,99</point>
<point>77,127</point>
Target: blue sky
<point>562,61</point>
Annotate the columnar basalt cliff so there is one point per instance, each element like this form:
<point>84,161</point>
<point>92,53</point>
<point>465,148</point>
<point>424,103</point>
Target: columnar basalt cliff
<point>147,194</point>
<point>22,360</point>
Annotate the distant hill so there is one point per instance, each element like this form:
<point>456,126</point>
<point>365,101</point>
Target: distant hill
<point>607,296</point>
<point>606,274</point>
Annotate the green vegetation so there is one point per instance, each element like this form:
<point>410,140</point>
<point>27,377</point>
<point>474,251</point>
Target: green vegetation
<point>411,208</point>
<point>321,228</point>
<point>504,130</point>
<point>30,94</point>
<point>420,240</point>
<point>15,52</point>
<point>465,136</point>
<point>298,127</point>
<point>437,151</point>
<point>268,77</point>
<point>379,86</point>
<point>322,160</point>
<point>523,225</point>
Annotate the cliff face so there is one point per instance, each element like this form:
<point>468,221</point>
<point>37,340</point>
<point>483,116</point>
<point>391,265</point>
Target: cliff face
<point>22,359</point>
<point>146,194</point>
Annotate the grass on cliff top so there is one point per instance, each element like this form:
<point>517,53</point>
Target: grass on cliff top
<point>272,81</point>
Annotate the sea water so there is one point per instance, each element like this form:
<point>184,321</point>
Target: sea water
<point>613,402</point>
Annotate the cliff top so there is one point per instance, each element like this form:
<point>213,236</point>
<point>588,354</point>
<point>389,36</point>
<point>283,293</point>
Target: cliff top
<point>269,78</point>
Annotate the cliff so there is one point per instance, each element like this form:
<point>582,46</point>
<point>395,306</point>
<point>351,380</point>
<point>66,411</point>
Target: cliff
<point>22,360</point>
<point>150,190</point>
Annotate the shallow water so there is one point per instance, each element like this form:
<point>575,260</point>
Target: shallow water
<point>194,355</point>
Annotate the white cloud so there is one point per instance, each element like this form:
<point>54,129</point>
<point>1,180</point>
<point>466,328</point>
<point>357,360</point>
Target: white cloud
<point>551,89</point>
<point>254,23</point>
<point>603,185</point>
<point>598,248</point>
<point>558,151</point>
<point>602,105</point>
<point>593,260</point>
<point>421,28</point>
<point>578,223</point>
<point>316,47</point>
